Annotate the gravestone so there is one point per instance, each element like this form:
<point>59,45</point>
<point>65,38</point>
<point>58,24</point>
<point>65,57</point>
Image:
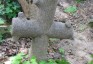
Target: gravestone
<point>41,29</point>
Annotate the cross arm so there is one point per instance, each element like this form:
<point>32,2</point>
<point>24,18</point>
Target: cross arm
<point>60,30</point>
<point>27,28</point>
<point>31,28</point>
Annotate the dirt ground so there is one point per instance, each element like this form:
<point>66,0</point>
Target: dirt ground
<point>78,51</point>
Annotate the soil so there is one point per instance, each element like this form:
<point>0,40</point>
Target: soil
<point>78,50</point>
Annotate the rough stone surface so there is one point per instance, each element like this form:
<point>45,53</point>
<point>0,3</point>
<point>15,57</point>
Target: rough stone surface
<point>42,28</point>
<point>33,29</point>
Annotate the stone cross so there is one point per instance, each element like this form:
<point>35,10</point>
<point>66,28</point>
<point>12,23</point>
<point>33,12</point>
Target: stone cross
<point>41,29</point>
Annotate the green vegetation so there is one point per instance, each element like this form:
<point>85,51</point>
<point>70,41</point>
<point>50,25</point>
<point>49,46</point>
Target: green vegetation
<point>62,51</point>
<point>18,60</point>
<point>70,9</point>
<point>21,58</point>
<point>90,24</point>
<point>1,8</point>
<point>79,1</point>
<point>9,9</point>
<point>2,21</point>
<point>91,62</point>
<point>4,32</point>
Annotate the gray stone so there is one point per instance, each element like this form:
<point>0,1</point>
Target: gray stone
<point>41,29</point>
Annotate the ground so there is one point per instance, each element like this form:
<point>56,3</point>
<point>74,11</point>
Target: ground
<point>78,50</point>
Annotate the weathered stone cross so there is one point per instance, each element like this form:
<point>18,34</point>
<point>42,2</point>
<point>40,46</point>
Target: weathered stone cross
<point>41,29</point>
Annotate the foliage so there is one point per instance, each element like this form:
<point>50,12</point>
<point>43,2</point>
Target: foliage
<point>1,9</point>
<point>79,1</point>
<point>9,8</point>
<point>1,38</point>
<point>90,24</point>
<point>62,61</point>
<point>70,9</point>
<point>62,52</point>
<point>18,60</point>
<point>4,32</point>
<point>2,21</point>
<point>91,62</point>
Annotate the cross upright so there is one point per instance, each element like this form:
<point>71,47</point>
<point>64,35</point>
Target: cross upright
<point>41,29</point>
